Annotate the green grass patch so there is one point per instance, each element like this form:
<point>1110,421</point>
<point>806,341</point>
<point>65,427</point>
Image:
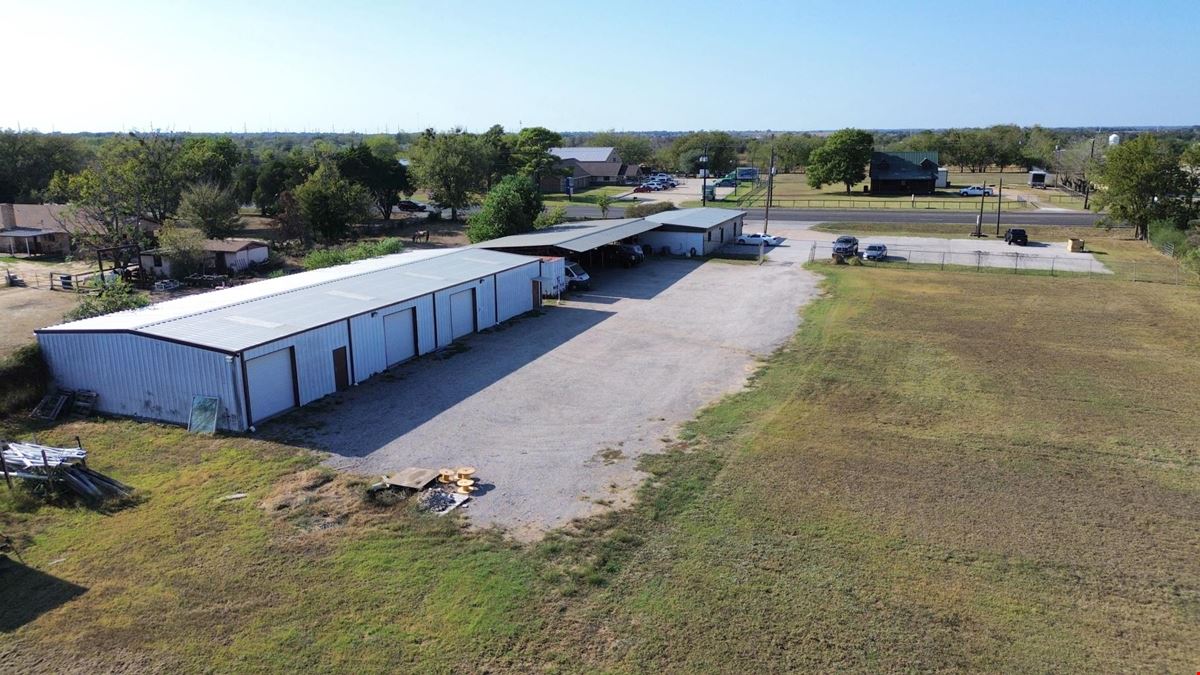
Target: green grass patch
<point>24,376</point>
<point>589,195</point>
<point>940,471</point>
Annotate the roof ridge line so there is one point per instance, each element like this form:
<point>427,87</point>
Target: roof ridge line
<point>290,290</point>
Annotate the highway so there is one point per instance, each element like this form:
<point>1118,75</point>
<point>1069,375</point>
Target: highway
<point>1060,218</point>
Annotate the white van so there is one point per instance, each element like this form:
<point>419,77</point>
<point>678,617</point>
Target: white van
<point>577,277</point>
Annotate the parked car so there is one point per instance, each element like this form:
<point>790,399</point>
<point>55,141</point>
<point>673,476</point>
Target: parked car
<point>654,185</point>
<point>1016,235</point>
<point>756,238</point>
<point>626,254</point>
<point>875,252</point>
<point>410,206</point>
<point>845,246</point>
<point>643,188</point>
<point>975,191</point>
<point>726,182</point>
<point>577,277</point>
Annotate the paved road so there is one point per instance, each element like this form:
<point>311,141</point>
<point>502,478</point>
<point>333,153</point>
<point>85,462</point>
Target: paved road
<point>895,216</point>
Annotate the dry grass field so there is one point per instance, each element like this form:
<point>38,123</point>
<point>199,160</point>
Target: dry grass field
<point>942,471</point>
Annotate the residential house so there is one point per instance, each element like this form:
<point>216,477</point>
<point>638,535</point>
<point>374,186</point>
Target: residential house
<point>221,256</point>
<point>44,229</point>
<point>589,167</point>
<point>904,173</point>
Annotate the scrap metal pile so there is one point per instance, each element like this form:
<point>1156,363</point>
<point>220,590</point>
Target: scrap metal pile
<point>65,467</point>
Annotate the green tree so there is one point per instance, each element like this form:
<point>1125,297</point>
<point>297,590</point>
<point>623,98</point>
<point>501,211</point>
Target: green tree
<point>633,148</point>
<point>497,148</point>
<point>555,215</point>
<point>28,162</point>
<point>604,202</point>
<point>184,246</point>
<point>107,297</point>
<point>685,153</point>
<point>383,178</point>
<point>210,209</point>
<point>273,179</point>
<point>1144,181</point>
<point>209,159</point>
<point>509,208</point>
<point>843,158</point>
<point>329,204</point>
<point>451,166</point>
<point>531,152</point>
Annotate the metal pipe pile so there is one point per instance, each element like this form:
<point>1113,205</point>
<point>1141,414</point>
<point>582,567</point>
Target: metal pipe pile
<point>66,466</point>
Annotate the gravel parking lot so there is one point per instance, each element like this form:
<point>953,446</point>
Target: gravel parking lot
<point>555,409</point>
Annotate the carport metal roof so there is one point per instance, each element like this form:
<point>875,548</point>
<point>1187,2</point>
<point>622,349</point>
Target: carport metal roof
<point>700,218</point>
<point>238,318</point>
<point>576,237</point>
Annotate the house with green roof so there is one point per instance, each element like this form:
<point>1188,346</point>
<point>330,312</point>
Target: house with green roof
<point>904,173</point>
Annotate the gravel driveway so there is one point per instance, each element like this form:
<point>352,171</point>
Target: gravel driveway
<point>555,409</point>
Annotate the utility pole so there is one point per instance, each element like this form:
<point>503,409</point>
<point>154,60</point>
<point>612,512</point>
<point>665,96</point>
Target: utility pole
<point>1087,191</point>
<point>704,177</point>
<point>770,188</point>
<point>999,198</point>
<point>979,220</point>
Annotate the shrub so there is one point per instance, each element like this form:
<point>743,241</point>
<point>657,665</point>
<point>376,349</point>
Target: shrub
<point>25,376</point>
<point>107,297</point>
<point>555,215</point>
<point>328,257</point>
<point>643,210</point>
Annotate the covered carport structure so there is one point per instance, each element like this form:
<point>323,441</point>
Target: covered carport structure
<point>582,242</point>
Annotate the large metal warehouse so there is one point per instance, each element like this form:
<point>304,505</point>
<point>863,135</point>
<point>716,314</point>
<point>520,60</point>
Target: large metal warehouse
<point>264,348</point>
<point>698,231</point>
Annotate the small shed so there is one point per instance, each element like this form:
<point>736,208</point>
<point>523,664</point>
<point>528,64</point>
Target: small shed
<point>1037,178</point>
<point>693,232</point>
<point>221,255</point>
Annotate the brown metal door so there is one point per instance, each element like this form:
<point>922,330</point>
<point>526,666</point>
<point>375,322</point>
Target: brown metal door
<point>341,371</point>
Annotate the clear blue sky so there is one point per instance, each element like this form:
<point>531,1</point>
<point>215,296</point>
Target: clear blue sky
<point>736,64</point>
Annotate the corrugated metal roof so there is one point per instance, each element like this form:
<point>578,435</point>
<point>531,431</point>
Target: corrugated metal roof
<point>577,237</point>
<point>237,318</point>
<point>700,218</point>
<point>904,165</point>
<point>582,154</point>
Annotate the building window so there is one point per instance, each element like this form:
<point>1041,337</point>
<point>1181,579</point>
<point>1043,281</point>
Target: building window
<point>710,235</point>
<point>158,261</point>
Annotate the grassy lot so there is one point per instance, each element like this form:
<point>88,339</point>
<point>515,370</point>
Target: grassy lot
<point>941,471</point>
<point>587,196</point>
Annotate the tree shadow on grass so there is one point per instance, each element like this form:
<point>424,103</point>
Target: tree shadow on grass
<point>27,593</point>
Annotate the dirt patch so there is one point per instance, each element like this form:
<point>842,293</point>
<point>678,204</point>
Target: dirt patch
<point>319,500</point>
<point>27,309</point>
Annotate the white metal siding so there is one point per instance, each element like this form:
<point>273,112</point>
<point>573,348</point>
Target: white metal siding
<point>370,347</point>
<point>485,307</point>
<point>400,336</point>
<point>314,358</point>
<point>514,291</point>
<point>462,313</point>
<point>269,378</point>
<point>552,268</point>
<point>144,377</point>
<point>679,243</point>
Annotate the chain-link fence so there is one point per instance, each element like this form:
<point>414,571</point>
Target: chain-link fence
<point>1020,261</point>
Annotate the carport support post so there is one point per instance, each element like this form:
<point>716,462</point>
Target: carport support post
<point>999,198</point>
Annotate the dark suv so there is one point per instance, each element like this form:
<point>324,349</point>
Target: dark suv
<point>1016,236</point>
<point>846,246</point>
<point>627,255</point>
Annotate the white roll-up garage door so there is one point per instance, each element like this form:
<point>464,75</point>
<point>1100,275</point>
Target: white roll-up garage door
<point>270,380</point>
<point>400,339</point>
<point>462,313</point>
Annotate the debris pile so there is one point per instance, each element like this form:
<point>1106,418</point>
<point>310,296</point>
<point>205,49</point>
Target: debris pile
<point>66,467</point>
<point>437,501</point>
